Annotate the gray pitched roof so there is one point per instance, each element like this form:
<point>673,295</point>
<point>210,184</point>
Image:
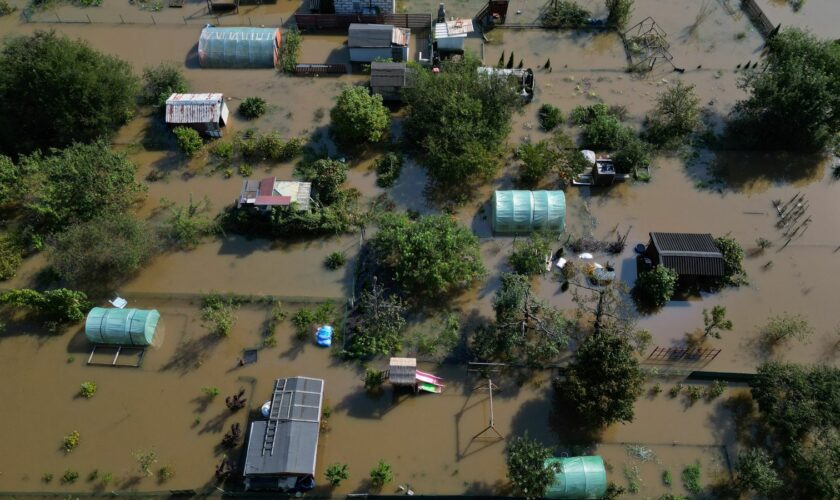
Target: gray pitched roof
<point>370,35</point>
<point>388,74</point>
<point>287,443</point>
<point>689,253</point>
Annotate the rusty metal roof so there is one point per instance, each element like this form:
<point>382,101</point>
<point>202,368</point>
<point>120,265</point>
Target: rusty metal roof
<point>194,108</point>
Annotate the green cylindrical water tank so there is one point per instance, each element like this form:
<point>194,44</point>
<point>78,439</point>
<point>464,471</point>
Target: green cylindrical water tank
<point>526,211</point>
<point>578,477</point>
<point>129,327</point>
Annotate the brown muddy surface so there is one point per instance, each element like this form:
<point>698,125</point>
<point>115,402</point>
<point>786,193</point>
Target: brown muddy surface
<point>426,437</point>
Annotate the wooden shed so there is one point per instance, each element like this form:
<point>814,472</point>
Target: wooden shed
<point>402,371</point>
<point>388,79</point>
<point>694,256</point>
<point>206,113</point>
<point>369,42</point>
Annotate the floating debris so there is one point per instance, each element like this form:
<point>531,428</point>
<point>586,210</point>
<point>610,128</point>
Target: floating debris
<point>640,452</point>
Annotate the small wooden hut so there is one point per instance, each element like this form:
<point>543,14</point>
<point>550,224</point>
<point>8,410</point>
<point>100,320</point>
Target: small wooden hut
<point>402,371</point>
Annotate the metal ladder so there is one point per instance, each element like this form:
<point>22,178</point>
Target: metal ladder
<point>273,418</point>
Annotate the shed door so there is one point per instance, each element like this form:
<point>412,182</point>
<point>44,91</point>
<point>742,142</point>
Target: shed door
<point>397,54</point>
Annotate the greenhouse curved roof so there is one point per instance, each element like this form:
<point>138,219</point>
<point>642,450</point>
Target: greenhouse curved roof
<point>526,211</point>
<point>127,327</point>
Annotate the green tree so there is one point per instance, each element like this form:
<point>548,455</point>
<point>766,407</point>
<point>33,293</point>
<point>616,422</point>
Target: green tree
<point>189,140</point>
<point>550,117</point>
<point>605,132</point>
<point>57,306</point>
<point>755,472</point>
<point>633,154</point>
<point>794,101</point>
<point>525,329</point>
<point>11,182</point>
<point>359,117</point>
<point>381,474</point>
<point>326,177</point>
<point>656,287</point>
<point>525,458</point>
<point>528,256</point>
<point>564,14</point>
<point>430,256</point>
<point>538,159</point>
<point>336,473</point>
<point>102,251</point>
<point>11,256</point>
<point>619,12</point>
<point>733,261</point>
<point>388,169</point>
<point>161,81</point>
<point>55,91</point>
<point>379,324</point>
<point>252,107</point>
<point>785,326</point>
<point>187,225</point>
<point>458,120</point>
<point>604,380</point>
<point>675,117</point>
<point>715,323</point>
<point>78,184</point>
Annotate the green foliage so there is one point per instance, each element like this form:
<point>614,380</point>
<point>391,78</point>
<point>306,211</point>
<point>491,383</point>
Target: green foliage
<point>634,479</point>
<point>187,225</point>
<point>583,115</point>
<point>71,441</point>
<point>564,14</point>
<point>166,473</point>
<point>439,343</point>
<point>458,120</point>
<point>77,184</point>
<point>103,251</point>
<point>526,330</point>
<point>11,256</point>
<point>550,117</point>
<point>388,169</point>
<point>655,288</point>
<point>336,473</point>
<point>56,91</point>
<point>784,326</point>
<point>335,260</point>
<point>359,117</point>
<point>430,256</point>
<point>222,150</point>
<point>675,117</point>
<point>379,324</point>
<point>47,477</point>
<point>538,159</point>
<point>69,477</point>
<point>675,391</point>
<point>605,132</point>
<point>667,478</point>
<point>189,140</point>
<point>374,379</point>
<point>715,389</point>
<point>326,177</point>
<point>755,472</point>
<point>145,461</point>
<point>107,478</point>
<point>252,107</point>
<point>603,381</point>
<point>217,312</point>
<point>210,392</point>
<point>694,393</point>
<point>381,474</point>
<point>305,320</point>
<point>5,8</point>
<point>793,103</point>
<point>291,49</point>
<point>525,458</point>
<point>87,390</point>
<point>161,81</point>
<point>342,216</point>
<point>633,154</point>
<point>733,261</point>
<point>528,257</point>
<point>619,12</point>
<point>691,478</point>
<point>11,182</point>
<point>58,306</point>
<point>270,146</point>
<point>715,323</point>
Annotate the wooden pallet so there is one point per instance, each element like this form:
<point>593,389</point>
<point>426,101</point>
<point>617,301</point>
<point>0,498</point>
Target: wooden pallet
<point>114,360</point>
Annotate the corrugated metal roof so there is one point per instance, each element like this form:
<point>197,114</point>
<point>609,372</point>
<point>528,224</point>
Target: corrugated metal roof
<point>270,192</point>
<point>194,108</point>
<point>402,371</point>
<point>693,254</point>
<point>454,29</point>
<point>388,74</point>
<point>376,35</point>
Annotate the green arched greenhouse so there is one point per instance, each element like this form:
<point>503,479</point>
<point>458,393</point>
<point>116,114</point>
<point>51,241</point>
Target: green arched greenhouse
<point>526,211</point>
<point>226,47</point>
<point>124,327</point>
<point>578,477</point>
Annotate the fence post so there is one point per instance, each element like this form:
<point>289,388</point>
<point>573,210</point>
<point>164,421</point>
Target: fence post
<point>88,16</point>
<point>56,16</point>
<point>122,21</point>
<point>185,19</point>
<point>153,18</point>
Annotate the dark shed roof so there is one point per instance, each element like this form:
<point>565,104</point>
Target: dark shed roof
<point>688,253</point>
<point>388,74</point>
<point>287,443</point>
<point>370,35</point>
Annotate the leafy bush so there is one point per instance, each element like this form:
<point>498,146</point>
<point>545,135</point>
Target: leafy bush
<point>388,169</point>
<point>378,325</point>
<point>525,459</point>
<point>47,477</point>
<point>218,312</point>
<point>374,379</point>
<point>5,8</point>
<point>381,474</point>
<point>166,473</point>
<point>145,461</point>
<point>71,93</point>
<point>100,252</point>
<point>581,115</point>
<point>87,390</point>
<point>619,12</point>
<point>58,306</point>
<point>550,117</point>
<point>270,146</point>
<point>11,256</point>
<point>755,472</point>
<point>675,117</point>
<point>667,478</point>
<point>335,260</point>
<point>433,255</point>
<point>715,389</point>
<point>187,225</point>
<point>326,177</point>
<point>605,132</point>
<point>656,287</point>
<point>69,477</point>
<point>189,140</point>
<point>538,159</point>
<point>733,259</point>
<point>252,107</point>
<point>161,81</point>
<point>564,14</point>
<point>359,117</point>
<point>632,155</point>
<point>291,49</point>
<point>223,150</point>
<point>691,478</point>
<point>336,473</point>
<point>528,257</point>
<point>784,326</point>
<point>305,320</point>
<point>71,441</point>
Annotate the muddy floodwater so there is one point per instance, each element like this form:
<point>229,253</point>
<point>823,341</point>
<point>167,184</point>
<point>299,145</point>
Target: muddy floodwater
<point>427,438</point>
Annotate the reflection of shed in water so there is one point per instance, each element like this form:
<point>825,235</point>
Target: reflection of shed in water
<point>239,47</point>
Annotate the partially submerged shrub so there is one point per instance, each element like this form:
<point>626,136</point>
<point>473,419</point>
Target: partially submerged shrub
<point>733,261</point>
<point>145,461</point>
<point>5,8</point>
<point>550,117</point>
<point>161,81</point>
<point>69,476</point>
<point>336,473</point>
<point>305,320</point>
<point>619,12</point>
<point>335,260</point>
<point>564,14</point>
<point>189,140</point>
<point>388,169</point>
<point>691,478</point>
<point>166,473</point>
<point>359,117</point>
<point>217,311</point>
<point>87,390</point>
<point>291,49</point>
<point>253,107</point>
<point>381,474</point>
<point>656,287</point>
<point>373,379</point>
<point>71,441</point>
<point>11,256</point>
<point>528,257</point>
<point>676,116</point>
<point>784,326</point>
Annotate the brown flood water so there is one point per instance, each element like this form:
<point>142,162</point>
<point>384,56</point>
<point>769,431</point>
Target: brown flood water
<point>426,438</point>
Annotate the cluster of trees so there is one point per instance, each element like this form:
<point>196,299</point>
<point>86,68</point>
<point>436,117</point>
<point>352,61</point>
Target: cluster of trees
<point>54,307</point>
<point>359,117</point>
<point>603,130</point>
<point>458,121</point>
<point>556,155</point>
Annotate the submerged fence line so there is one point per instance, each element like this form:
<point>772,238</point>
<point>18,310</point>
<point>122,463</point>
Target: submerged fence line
<point>150,18</point>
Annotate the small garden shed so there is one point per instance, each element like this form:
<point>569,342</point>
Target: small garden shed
<point>694,256</point>
<point>369,42</point>
<point>388,79</point>
<point>239,47</point>
<point>207,113</point>
<point>121,327</point>
<point>526,211</point>
<point>578,477</point>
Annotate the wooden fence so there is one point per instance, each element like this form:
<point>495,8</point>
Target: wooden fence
<point>758,17</point>
<point>320,69</point>
<point>326,21</point>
